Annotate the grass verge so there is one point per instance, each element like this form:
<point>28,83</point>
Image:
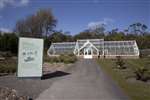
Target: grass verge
<point>136,90</point>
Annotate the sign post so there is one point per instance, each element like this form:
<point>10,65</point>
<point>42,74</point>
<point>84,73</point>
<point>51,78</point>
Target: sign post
<point>30,57</point>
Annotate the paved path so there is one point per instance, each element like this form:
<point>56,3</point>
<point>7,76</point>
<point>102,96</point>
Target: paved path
<point>85,82</point>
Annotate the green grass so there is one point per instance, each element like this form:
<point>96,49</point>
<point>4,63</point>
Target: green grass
<point>136,90</point>
<point>138,62</point>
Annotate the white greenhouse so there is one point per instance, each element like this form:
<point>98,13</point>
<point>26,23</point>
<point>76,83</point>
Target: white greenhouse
<point>93,48</point>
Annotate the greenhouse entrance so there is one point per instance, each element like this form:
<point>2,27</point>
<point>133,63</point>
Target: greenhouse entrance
<point>88,52</point>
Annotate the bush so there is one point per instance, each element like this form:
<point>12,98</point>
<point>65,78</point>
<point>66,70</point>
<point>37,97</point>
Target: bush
<point>142,74</point>
<point>9,42</point>
<point>144,53</point>
<point>6,69</point>
<point>6,54</point>
<point>67,58</point>
<point>64,58</point>
<point>120,63</point>
<point>73,58</point>
<point>9,66</point>
<point>54,59</point>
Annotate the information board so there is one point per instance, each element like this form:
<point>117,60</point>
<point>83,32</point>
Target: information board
<point>30,57</point>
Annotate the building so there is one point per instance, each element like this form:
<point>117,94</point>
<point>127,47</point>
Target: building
<point>93,48</point>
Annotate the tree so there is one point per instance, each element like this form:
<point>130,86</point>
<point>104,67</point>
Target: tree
<point>137,28</point>
<point>9,42</point>
<point>59,36</point>
<point>97,30</point>
<point>36,25</point>
<point>114,34</point>
<point>86,35</point>
<point>94,31</point>
<point>13,43</point>
<point>46,21</point>
<point>114,31</point>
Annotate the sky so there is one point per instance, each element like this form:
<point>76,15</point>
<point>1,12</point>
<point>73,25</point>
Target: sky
<point>75,16</point>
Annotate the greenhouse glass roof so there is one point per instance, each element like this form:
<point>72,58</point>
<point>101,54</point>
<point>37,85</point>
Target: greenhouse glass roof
<point>97,46</point>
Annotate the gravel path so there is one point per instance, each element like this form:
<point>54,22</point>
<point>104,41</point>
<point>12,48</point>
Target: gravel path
<point>86,82</point>
<point>32,87</point>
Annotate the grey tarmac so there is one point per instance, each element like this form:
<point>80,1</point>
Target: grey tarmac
<point>86,81</point>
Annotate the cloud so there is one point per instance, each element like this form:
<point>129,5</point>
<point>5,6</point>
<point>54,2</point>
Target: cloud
<point>94,24</point>
<point>5,30</point>
<point>108,20</point>
<point>4,3</point>
<point>24,2</point>
<point>104,22</point>
<point>1,16</point>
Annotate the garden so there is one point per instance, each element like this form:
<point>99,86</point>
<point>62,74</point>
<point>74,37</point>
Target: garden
<point>64,58</point>
<point>8,63</point>
<point>58,63</point>
<point>132,75</point>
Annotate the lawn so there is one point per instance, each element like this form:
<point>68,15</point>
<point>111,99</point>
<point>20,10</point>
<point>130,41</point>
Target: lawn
<point>137,90</point>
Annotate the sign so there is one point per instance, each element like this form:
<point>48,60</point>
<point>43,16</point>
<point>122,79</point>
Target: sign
<point>30,58</point>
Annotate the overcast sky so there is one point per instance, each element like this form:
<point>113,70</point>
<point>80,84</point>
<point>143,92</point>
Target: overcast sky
<point>76,15</point>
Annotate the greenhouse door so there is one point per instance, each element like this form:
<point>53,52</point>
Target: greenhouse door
<point>88,53</point>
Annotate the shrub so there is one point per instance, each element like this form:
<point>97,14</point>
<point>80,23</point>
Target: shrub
<point>2,69</point>
<point>64,58</point>
<point>120,63</point>
<point>9,66</point>
<point>144,53</point>
<point>73,58</point>
<point>142,74</point>
<point>68,58</point>
<point>6,69</point>
<point>6,54</point>
<point>54,59</point>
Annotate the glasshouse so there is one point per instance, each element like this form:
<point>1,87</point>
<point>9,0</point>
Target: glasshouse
<point>93,48</point>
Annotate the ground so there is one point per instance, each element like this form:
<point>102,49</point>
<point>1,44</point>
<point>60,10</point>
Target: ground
<point>136,89</point>
<point>32,87</point>
<point>84,80</point>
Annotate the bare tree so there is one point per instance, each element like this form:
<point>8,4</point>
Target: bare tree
<point>37,25</point>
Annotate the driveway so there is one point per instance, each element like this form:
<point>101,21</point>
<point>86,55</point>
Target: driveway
<point>86,81</point>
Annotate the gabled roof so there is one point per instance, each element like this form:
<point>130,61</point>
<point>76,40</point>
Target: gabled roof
<point>88,43</point>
